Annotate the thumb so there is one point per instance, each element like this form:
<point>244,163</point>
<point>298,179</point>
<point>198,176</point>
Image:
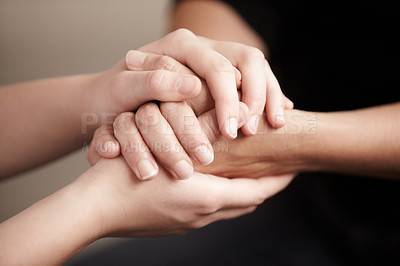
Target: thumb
<point>158,85</point>
<point>209,123</point>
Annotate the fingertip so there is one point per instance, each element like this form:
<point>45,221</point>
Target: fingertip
<point>204,154</point>
<point>251,127</point>
<point>182,170</point>
<point>188,86</point>
<point>108,149</point>
<point>288,104</point>
<point>231,127</point>
<point>147,169</point>
<point>277,118</point>
<point>134,59</point>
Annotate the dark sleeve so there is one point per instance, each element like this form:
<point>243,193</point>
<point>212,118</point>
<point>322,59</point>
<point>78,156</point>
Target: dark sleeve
<point>260,15</point>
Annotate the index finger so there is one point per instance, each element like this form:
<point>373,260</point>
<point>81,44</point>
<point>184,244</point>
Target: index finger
<point>217,70</point>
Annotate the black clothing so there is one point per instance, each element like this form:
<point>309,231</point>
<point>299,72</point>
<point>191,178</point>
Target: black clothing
<point>327,56</point>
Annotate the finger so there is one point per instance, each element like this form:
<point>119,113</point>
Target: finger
<point>275,100</point>
<point>209,122</point>
<point>289,105</point>
<point>251,63</point>
<point>105,143</point>
<point>158,135</point>
<point>159,85</point>
<point>238,77</point>
<point>184,46</point>
<point>133,147</point>
<point>142,61</point>
<point>244,192</point>
<point>92,156</point>
<point>188,131</point>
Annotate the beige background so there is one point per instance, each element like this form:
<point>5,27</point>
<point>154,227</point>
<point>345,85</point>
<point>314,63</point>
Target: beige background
<point>44,38</point>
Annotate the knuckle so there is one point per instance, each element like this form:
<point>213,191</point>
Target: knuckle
<point>253,53</point>
<point>166,63</point>
<point>154,80</point>
<point>167,107</point>
<point>223,67</point>
<point>147,114</point>
<point>123,122</point>
<point>183,33</point>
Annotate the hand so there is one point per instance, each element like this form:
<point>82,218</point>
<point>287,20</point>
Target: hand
<point>108,200</point>
<point>134,134</point>
<point>267,153</point>
<point>165,205</point>
<point>270,152</point>
<point>135,149</point>
<point>213,60</point>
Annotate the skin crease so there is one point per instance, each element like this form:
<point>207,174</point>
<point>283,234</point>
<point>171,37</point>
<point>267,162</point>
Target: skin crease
<point>124,125</point>
<point>109,199</point>
<point>342,134</point>
<point>291,149</point>
<point>65,101</point>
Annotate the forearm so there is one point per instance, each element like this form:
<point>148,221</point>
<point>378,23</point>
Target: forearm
<point>215,20</point>
<point>360,142</point>
<point>42,120</point>
<point>50,231</point>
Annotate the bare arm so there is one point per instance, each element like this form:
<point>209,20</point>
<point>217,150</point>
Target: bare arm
<point>215,20</point>
<point>45,119</point>
<point>360,142</point>
<point>108,200</point>
<point>41,121</point>
<point>364,141</point>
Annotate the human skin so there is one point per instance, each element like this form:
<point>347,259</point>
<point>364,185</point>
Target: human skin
<point>109,200</point>
<point>177,159</point>
<point>57,111</point>
<point>360,142</point>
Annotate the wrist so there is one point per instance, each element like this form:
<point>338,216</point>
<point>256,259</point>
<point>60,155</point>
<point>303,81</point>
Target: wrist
<point>106,200</point>
<point>93,110</point>
<point>295,141</point>
<point>52,230</point>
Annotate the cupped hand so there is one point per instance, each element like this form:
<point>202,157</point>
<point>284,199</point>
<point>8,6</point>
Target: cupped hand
<point>266,153</point>
<point>213,61</point>
<point>165,205</point>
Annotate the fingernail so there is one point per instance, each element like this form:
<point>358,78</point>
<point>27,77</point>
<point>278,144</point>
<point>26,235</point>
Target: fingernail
<point>146,169</point>
<point>135,58</point>
<point>232,127</point>
<point>183,169</point>
<point>252,124</point>
<point>109,146</point>
<point>204,155</point>
<point>279,116</point>
<point>185,85</point>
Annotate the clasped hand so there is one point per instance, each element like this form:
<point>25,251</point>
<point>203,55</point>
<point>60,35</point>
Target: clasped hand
<point>180,135</point>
